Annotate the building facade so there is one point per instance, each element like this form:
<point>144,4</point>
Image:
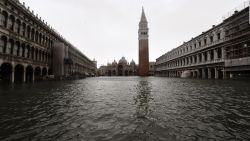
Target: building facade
<point>122,68</point>
<point>143,69</point>
<point>221,52</point>
<point>30,49</point>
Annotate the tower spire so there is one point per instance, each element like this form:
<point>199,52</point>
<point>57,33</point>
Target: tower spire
<point>143,16</point>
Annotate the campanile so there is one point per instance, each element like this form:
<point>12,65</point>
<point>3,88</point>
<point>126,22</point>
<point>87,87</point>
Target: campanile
<point>143,69</point>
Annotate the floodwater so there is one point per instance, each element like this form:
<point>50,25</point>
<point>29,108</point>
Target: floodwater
<point>126,109</point>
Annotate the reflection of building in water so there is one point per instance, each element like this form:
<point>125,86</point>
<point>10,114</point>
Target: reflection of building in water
<point>143,130</point>
<point>122,68</point>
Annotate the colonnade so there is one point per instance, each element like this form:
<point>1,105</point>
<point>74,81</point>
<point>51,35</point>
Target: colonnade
<point>17,72</point>
<point>198,58</point>
<point>202,73</point>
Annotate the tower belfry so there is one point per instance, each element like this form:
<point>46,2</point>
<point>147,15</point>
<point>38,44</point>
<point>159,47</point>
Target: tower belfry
<point>143,46</point>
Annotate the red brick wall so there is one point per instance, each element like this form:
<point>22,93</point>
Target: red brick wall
<point>143,58</point>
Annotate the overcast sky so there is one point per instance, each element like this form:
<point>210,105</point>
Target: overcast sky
<point>108,29</point>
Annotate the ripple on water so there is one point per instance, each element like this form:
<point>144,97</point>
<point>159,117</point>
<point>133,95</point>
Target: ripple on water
<point>126,109</point>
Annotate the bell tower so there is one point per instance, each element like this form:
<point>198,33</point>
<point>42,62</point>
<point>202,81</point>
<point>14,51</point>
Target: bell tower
<point>143,69</point>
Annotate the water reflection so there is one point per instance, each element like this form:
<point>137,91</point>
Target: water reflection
<point>126,109</point>
<point>142,99</point>
<point>143,120</point>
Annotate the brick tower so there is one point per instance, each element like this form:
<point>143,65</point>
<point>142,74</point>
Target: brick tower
<point>143,46</point>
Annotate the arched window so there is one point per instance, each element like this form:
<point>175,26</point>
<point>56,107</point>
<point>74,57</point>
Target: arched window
<point>32,53</point>
<point>36,37</point>
<point>36,54</point>
<point>32,34</point>
<point>4,19</point>
<point>211,38</point>
<point>11,22</point>
<point>18,26</point>
<point>28,32</point>
<point>23,29</point>
<point>2,45</point>
<point>40,38</point>
<point>40,55</point>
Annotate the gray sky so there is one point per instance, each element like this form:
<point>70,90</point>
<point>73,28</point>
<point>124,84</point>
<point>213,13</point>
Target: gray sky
<point>107,29</point>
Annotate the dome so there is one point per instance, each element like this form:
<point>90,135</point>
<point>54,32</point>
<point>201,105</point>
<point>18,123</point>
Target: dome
<point>132,62</point>
<point>123,61</point>
<point>114,63</point>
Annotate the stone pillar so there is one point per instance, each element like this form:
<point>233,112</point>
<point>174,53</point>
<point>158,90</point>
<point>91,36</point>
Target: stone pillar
<point>209,73</point>
<point>13,76</point>
<point>203,74</point>
<point>195,74</point>
<point>208,56</point>
<point>193,58</point>
<point>216,73</point>
<point>47,72</point>
<point>198,73</point>
<point>34,54</point>
<point>24,76</point>
<point>198,60</point>
<point>223,53</point>
<point>33,76</point>
<point>203,57</point>
<point>215,54</point>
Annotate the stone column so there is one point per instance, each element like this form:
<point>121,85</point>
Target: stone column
<point>33,76</point>
<point>208,56</point>
<point>216,73</point>
<point>198,73</point>
<point>203,74</point>
<point>215,54</point>
<point>223,53</point>
<point>203,57</point>
<point>24,76</point>
<point>34,54</point>
<point>13,76</point>
<point>198,60</point>
<point>195,74</point>
<point>209,73</point>
<point>193,58</point>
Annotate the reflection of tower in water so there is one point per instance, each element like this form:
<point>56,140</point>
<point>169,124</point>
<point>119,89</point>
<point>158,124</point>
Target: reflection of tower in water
<point>144,123</point>
<point>142,99</point>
